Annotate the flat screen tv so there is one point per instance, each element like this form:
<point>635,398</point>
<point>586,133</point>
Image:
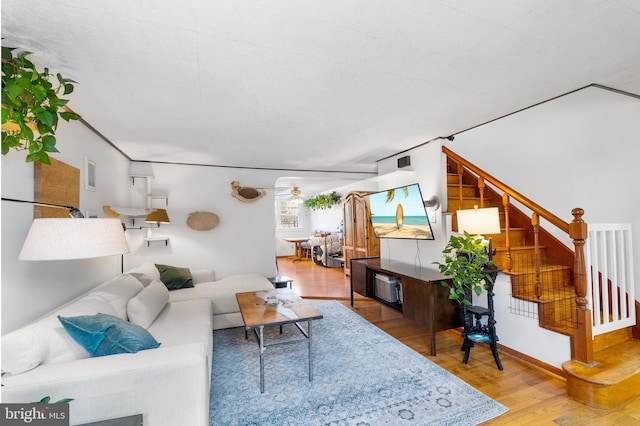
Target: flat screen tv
<point>400,213</point>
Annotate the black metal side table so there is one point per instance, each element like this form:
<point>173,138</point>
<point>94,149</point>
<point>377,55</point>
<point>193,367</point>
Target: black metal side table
<point>281,281</point>
<point>477,331</point>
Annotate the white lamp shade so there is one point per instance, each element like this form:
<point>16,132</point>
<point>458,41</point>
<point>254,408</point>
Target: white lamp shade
<point>64,239</point>
<point>479,221</point>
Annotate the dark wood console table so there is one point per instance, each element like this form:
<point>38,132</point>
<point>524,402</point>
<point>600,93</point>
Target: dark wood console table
<point>426,301</point>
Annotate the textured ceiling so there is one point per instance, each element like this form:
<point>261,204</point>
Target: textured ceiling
<point>317,85</point>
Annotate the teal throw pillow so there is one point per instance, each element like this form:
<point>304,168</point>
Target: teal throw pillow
<point>174,277</point>
<point>103,334</point>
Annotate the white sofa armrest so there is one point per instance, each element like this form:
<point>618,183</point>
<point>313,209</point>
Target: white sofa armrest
<point>202,275</point>
<point>124,384</point>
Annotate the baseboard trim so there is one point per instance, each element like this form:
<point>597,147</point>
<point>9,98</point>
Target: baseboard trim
<point>543,365</point>
<point>523,357</point>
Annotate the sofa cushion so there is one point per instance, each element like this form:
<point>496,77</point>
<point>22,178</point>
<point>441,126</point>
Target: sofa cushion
<point>46,341</point>
<point>175,277</point>
<point>144,279</point>
<point>148,269</point>
<point>146,305</point>
<point>23,350</point>
<point>118,291</point>
<point>103,334</point>
<point>222,293</point>
<point>184,322</point>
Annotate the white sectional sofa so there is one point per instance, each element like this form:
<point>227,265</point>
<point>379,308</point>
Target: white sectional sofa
<point>222,293</point>
<point>168,384</point>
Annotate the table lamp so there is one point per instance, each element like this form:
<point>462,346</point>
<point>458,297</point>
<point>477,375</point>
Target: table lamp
<point>477,221</point>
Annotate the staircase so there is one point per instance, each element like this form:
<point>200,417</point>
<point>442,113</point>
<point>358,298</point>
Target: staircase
<point>549,283</point>
<point>605,370</point>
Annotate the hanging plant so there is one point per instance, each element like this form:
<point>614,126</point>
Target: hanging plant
<point>323,201</point>
<point>31,106</point>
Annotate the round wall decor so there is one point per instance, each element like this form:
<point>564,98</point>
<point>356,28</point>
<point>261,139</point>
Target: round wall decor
<point>202,221</point>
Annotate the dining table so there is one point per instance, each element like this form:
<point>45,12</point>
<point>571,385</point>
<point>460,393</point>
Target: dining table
<point>298,251</point>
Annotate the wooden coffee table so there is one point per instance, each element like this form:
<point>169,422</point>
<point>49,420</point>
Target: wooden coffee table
<point>290,309</point>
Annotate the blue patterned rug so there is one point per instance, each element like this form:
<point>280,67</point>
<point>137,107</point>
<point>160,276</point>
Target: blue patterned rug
<point>362,376</point>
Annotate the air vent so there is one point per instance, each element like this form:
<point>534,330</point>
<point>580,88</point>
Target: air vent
<point>404,162</point>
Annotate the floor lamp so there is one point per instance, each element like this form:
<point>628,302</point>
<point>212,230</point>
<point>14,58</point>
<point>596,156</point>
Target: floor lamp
<point>71,238</point>
<point>65,239</point>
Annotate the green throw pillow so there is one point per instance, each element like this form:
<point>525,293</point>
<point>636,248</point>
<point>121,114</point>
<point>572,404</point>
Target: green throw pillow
<point>174,277</point>
<point>103,334</point>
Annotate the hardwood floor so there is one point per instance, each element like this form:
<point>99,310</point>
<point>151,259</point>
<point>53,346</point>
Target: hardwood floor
<point>534,396</point>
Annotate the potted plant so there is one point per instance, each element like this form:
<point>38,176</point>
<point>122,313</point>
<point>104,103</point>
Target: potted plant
<point>31,106</point>
<point>467,262</point>
<point>323,201</point>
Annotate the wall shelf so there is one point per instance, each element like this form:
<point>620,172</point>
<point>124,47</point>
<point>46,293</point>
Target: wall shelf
<point>156,239</point>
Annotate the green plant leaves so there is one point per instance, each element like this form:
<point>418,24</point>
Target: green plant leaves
<point>465,260</point>
<point>46,400</point>
<point>323,201</point>
<point>31,101</point>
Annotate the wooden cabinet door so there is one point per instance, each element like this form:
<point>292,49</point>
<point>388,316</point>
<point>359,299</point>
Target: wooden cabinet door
<point>349,225</point>
<point>359,279</point>
<point>359,239</point>
<point>360,226</point>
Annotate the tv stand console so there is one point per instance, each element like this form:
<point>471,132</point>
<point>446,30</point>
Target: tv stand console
<point>425,300</point>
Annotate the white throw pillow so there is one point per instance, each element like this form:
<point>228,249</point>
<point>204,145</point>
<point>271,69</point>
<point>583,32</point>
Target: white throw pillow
<point>46,341</point>
<point>23,350</point>
<point>145,280</point>
<point>148,269</point>
<point>145,307</point>
<point>117,292</point>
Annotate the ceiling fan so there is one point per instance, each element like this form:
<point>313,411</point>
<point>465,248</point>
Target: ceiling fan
<point>295,194</point>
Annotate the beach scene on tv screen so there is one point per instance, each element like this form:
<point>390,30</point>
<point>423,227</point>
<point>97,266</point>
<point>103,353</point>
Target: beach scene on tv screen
<point>400,213</point>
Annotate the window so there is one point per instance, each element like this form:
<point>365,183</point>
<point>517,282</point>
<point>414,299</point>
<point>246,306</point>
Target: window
<point>287,214</point>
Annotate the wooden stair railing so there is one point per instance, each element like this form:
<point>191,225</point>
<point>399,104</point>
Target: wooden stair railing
<point>581,335</point>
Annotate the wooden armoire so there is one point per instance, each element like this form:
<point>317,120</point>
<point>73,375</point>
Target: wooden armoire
<point>359,238</point>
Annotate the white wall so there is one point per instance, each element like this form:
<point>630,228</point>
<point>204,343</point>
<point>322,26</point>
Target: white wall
<point>30,289</point>
<point>243,242</point>
<point>327,219</point>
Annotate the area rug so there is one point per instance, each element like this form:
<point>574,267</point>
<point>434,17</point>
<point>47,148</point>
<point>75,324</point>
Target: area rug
<point>361,376</point>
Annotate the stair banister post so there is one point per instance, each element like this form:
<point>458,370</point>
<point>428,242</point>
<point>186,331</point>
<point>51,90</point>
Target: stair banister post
<point>481,190</point>
<point>582,347</point>
<point>535,221</point>
<point>460,171</point>
<point>507,238</point>
<point>578,232</point>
